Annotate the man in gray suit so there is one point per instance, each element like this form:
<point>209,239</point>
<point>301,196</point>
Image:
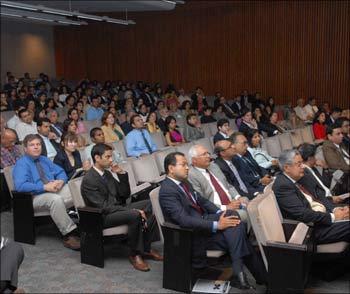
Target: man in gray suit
<point>209,181</point>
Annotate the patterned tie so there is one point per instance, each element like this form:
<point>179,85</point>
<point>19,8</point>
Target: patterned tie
<point>225,200</point>
<point>240,182</point>
<point>306,192</point>
<point>41,171</point>
<point>146,142</point>
<point>189,196</point>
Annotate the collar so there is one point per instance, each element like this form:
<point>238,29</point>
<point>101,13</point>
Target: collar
<point>101,173</point>
<point>336,145</point>
<point>293,181</point>
<point>175,181</point>
<point>224,135</point>
<point>228,162</point>
<point>202,170</point>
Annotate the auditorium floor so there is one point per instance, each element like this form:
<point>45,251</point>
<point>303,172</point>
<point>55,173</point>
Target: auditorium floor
<point>50,267</point>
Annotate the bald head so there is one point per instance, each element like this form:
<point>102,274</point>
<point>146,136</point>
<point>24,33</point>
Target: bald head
<point>8,138</point>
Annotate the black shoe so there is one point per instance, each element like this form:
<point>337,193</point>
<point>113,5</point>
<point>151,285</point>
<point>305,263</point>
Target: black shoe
<point>241,282</point>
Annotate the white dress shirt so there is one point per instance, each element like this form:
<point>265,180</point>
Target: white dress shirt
<point>51,151</point>
<point>300,112</point>
<point>327,191</point>
<point>13,122</point>
<point>24,129</point>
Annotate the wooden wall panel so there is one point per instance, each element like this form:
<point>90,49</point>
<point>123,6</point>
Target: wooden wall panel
<point>284,49</point>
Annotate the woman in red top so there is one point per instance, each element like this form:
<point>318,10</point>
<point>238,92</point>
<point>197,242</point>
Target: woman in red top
<point>319,126</point>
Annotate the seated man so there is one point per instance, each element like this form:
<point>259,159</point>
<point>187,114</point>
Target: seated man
<point>10,152</point>
<point>139,141</point>
<point>225,152</point>
<point>94,112</point>
<point>214,229</point>
<point>97,136</point>
<point>26,126</point>
<point>297,203</point>
<point>333,150</point>
<point>224,131</point>
<point>207,116</point>
<point>100,189</point>
<point>11,257</point>
<point>49,147</point>
<point>193,130</point>
<point>312,180</point>
<point>248,168</point>
<point>38,175</point>
<point>208,180</point>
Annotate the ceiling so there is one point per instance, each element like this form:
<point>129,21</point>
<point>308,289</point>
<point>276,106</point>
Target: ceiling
<point>106,6</point>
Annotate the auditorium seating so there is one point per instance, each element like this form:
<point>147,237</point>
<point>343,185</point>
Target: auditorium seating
<point>273,146</point>
<point>91,228</point>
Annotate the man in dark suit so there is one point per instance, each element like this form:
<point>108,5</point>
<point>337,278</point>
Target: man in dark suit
<point>297,203</point>
<point>100,189</point>
<point>213,229</point>
<point>335,114</point>
<point>226,108</point>
<point>56,127</point>
<point>224,130</point>
<point>225,151</point>
<point>163,113</point>
<point>48,139</point>
<point>248,168</point>
<point>147,97</point>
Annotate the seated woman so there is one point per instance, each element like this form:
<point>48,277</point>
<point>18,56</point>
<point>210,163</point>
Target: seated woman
<point>70,126</point>
<point>111,130</point>
<point>260,155</point>
<point>173,137</point>
<point>151,123</point>
<point>247,122</point>
<point>143,112</point>
<point>293,122</point>
<point>73,114</point>
<point>186,108</point>
<point>319,126</point>
<point>69,157</point>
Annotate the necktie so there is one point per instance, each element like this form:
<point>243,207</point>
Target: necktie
<point>41,172</point>
<point>240,182</point>
<point>146,142</point>
<point>251,165</point>
<point>225,200</point>
<point>305,191</point>
<point>189,196</point>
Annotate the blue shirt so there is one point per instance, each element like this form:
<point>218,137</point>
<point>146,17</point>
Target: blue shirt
<point>135,144</point>
<point>94,113</point>
<point>26,177</point>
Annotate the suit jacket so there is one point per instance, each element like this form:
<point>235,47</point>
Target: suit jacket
<point>313,186</point>
<point>334,157</point>
<point>218,137</point>
<point>43,146</point>
<point>178,209</point>
<point>250,173</point>
<point>203,187</point>
<point>109,194</point>
<point>147,99</point>
<point>191,133</point>
<point>235,107</point>
<point>294,205</point>
<point>162,125</point>
<point>62,160</point>
<point>228,110</point>
<point>232,180</point>
<point>58,126</point>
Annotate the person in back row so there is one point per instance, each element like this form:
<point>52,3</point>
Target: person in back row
<point>224,130</point>
<point>36,174</point>
<point>139,142</point>
<point>193,130</point>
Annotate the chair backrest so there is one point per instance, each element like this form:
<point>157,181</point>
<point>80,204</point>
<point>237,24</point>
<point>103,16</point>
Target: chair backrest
<point>296,137</point>
<point>159,139</point>
<point>285,141</point>
<point>119,146</point>
<point>145,169</point>
<point>273,146</point>
<point>74,187</point>
<point>184,148</point>
<point>306,135</point>
<point>206,143</point>
<point>157,210</point>
<point>6,115</point>
<point>8,178</point>
<point>213,128</point>
<point>263,144</point>
<point>89,124</point>
<point>206,129</point>
<point>160,156</point>
<point>128,168</point>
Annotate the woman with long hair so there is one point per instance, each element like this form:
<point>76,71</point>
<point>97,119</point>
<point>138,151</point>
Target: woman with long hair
<point>71,126</point>
<point>173,137</point>
<point>111,130</point>
<point>319,126</point>
<point>151,123</point>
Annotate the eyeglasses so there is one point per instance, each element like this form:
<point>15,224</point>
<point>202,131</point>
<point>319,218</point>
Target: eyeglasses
<point>203,154</point>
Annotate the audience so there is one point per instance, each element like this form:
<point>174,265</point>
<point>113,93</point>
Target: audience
<point>319,126</point>
<point>260,156</point>
<point>193,130</point>
<point>38,175</point>
<point>100,189</point>
<point>111,130</point>
<point>297,203</point>
<point>208,180</point>
<point>151,123</point>
<point>250,171</point>
<point>224,131</point>
<point>26,125</point>
<point>225,152</point>
<point>217,230</point>
<point>173,137</point>
<point>68,157</point>
<point>49,145</point>
<point>138,141</point>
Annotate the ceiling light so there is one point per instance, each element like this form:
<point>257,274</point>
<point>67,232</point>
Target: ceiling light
<point>90,17</point>
<point>40,18</point>
<point>72,22</point>
<point>57,12</point>
<point>19,6</point>
<point>168,1</point>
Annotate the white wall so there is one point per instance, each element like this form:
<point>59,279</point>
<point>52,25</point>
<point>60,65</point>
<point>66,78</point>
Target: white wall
<point>26,47</point>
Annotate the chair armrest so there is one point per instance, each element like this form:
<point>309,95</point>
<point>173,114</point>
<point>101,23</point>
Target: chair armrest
<point>286,246</point>
<point>90,220</point>
<point>175,227</point>
<point>140,188</point>
<point>90,209</point>
<point>22,195</point>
